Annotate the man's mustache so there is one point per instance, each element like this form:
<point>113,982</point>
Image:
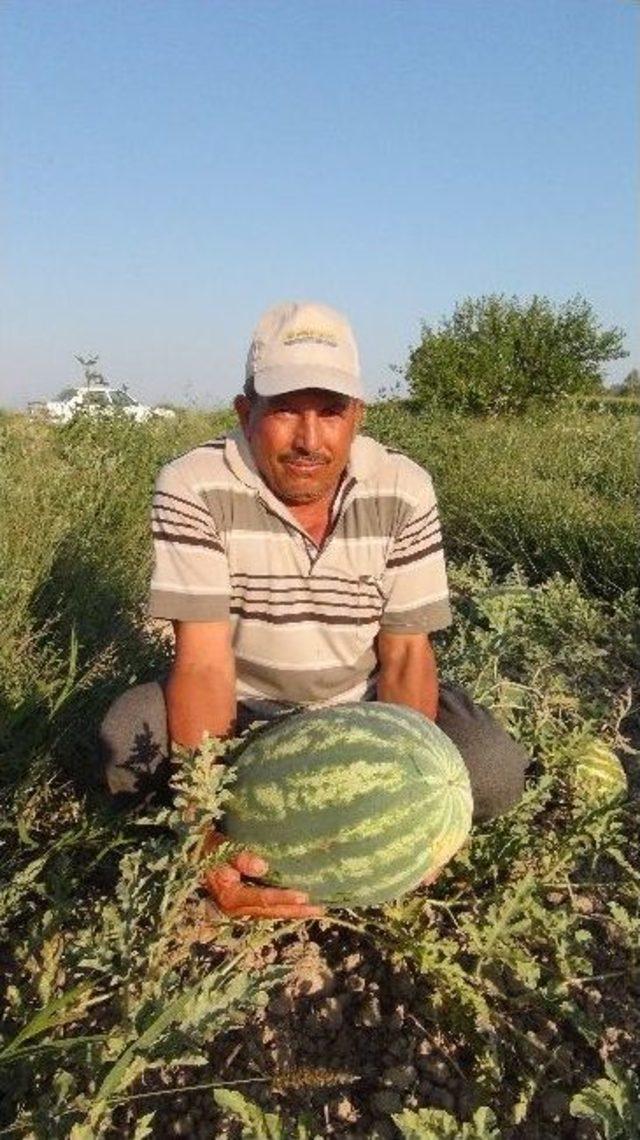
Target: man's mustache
<point>307,456</point>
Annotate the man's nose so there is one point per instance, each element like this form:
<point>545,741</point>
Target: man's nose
<point>308,433</point>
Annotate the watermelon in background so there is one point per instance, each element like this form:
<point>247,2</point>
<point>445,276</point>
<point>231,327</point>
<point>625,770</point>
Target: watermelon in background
<point>599,775</point>
<point>355,803</point>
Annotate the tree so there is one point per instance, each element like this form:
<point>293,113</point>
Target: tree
<point>630,386</point>
<point>499,353</point>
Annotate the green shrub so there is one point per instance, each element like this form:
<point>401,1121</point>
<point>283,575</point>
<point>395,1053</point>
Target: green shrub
<point>498,354</point>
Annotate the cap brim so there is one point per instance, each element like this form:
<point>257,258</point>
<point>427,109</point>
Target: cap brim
<point>277,381</point>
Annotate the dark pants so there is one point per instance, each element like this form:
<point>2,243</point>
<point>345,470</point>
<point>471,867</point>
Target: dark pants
<point>135,746</point>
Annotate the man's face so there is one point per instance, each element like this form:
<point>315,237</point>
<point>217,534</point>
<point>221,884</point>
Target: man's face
<point>300,441</point>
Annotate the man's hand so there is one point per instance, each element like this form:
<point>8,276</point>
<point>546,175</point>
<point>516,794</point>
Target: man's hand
<point>239,899</point>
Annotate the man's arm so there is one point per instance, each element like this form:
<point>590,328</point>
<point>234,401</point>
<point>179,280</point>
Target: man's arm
<point>408,671</point>
<point>201,697</point>
<point>409,676</point>
<point>201,690</point>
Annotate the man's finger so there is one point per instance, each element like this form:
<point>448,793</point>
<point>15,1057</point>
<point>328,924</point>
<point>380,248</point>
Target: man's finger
<point>249,864</point>
<point>224,876</point>
<point>243,900</point>
<point>274,912</point>
<point>238,898</point>
<point>246,862</point>
<point>227,882</point>
<point>268,896</point>
<point>239,893</point>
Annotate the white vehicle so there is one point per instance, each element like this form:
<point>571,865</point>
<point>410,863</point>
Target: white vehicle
<point>95,398</point>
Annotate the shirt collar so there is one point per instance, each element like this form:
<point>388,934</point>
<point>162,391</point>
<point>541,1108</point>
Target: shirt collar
<point>238,456</point>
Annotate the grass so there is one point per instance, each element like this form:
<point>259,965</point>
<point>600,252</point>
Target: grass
<point>110,973</point>
<point>552,492</point>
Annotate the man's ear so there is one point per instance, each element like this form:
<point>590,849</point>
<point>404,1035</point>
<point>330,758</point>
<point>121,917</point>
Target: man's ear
<point>243,409</point>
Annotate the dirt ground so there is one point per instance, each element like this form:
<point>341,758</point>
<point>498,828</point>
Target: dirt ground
<point>344,1040</point>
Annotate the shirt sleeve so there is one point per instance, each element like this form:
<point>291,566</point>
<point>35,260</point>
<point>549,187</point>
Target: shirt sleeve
<point>190,578</point>
<point>415,580</point>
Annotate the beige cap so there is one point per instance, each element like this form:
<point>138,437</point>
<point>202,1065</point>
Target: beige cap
<point>304,345</point>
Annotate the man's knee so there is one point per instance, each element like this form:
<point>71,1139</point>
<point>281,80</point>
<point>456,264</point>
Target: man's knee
<point>495,761</point>
<point>134,741</point>
<point>498,784</point>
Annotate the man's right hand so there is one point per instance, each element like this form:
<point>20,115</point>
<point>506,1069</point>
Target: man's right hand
<point>239,899</point>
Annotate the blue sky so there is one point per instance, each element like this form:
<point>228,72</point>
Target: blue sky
<point>174,167</point>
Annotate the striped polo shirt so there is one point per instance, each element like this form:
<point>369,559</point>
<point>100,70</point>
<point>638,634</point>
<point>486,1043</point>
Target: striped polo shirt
<point>303,618</point>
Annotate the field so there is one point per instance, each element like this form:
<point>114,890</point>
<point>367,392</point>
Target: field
<point>501,1002</point>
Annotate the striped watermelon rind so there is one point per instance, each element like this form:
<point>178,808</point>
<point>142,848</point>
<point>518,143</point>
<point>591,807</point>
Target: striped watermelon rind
<point>599,774</point>
<point>353,803</point>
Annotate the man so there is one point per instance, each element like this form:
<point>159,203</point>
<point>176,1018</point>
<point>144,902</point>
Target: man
<point>301,564</point>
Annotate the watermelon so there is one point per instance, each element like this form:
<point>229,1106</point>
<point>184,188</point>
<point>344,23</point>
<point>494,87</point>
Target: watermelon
<point>599,775</point>
<point>354,803</point>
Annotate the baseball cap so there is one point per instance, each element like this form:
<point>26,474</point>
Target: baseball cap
<point>301,344</point>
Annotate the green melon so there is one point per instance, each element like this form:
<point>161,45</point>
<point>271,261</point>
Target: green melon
<point>599,775</point>
<point>353,804</point>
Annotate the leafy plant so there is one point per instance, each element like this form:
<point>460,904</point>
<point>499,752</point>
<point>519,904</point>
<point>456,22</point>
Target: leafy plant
<point>138,954</point>
<point>498,354</point>
<point>437,1124</point>
<point>259,1125</point>
<point>612,1102</point>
